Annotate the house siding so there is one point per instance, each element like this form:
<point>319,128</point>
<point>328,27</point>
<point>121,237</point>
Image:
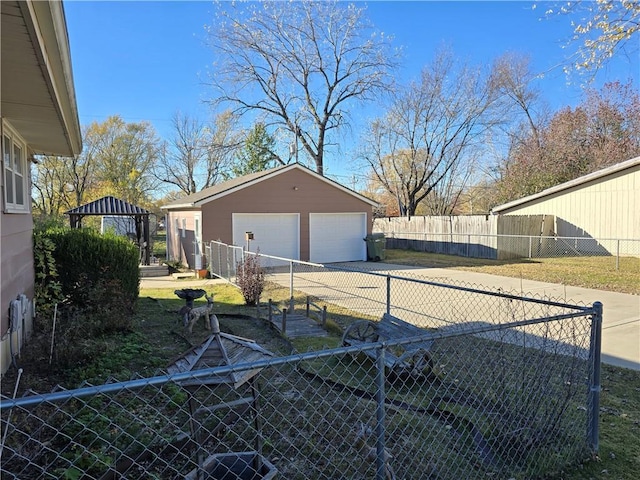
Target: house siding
<point>16,272</point>
<point>180,245</point>
<point>278,194</point>
<point>605,208</point>
<point>292,190</point>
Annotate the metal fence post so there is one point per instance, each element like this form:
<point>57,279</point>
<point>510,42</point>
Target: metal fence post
<point>229,270</point>
<point>284,321</point>
<point>530,243</point>
<point>594,384</point>
<point>389,294</point>
<point>380,414</point>
<point>290,279</point>
<point>618,254</point>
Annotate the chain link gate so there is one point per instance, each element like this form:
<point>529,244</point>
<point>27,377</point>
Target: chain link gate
<point>511,390</point>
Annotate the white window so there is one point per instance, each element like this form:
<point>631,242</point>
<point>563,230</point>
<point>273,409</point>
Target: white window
<point>15,170</point>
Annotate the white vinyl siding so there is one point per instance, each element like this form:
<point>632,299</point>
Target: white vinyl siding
<point>603,209</point>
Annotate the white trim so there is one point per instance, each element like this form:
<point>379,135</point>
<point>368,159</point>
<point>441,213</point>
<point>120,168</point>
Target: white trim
<point>577,182</point>
<point>15,141</point>
<point>197,235</point>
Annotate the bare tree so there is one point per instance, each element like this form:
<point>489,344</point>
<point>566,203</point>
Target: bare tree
<point>432,131</point>
<point>183,153</point>
<point>82,168</point>
<point>602,29</point>
<point>49,181</point>
<point>520,99</point>
<point>197,154</point>
<point>223,141</point>
<point>299,65</point>
<point>61,183</point>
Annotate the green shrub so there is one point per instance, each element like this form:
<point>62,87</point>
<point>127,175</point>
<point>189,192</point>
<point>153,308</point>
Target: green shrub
<point>94,281</point>
<point>48,289</point>
<point>250,279</point>
<point>99,274</point>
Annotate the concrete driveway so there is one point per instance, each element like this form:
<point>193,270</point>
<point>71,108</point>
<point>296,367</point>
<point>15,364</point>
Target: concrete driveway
<point>621,312</point>
<point>367,294</point>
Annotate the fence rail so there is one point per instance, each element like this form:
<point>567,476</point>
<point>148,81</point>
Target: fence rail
<point>503,247</point>
<point>510,390</point>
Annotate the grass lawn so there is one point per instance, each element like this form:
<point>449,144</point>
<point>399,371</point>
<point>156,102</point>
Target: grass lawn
<point>589,272</point>
<point>158,337</point>
<point>620,399</point>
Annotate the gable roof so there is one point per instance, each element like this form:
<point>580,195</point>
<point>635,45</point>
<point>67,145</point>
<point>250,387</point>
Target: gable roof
<point>590,177</point>
<point>196,200</point>
<point>108,206</point>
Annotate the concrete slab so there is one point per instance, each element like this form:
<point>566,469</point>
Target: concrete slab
<point>621,312</point>
<point>176,283</point>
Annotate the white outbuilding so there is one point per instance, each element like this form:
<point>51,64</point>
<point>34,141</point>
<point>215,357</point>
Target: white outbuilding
<point>603,205</point>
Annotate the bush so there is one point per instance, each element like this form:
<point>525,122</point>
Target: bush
<point>99,275</point>
<point>94,281</point>
<point>48,289</point>
<point>250,278</point>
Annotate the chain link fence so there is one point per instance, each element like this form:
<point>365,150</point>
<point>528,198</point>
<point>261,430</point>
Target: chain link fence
<point>504,247</point>
<point>497,386</point>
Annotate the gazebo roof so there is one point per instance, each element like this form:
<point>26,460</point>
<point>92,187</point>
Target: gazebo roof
<point>218,350</point>
<point>108,206</point>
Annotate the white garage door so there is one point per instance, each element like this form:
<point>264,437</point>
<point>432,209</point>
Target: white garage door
<point>276,234</point>
<point>337,237</point>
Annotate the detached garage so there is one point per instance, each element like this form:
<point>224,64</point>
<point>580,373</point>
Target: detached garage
<point>291,211</point>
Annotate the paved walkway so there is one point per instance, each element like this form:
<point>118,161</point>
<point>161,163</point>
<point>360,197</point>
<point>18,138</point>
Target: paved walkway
<point>621,312</point>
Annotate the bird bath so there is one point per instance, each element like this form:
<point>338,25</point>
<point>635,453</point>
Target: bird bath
<point>189,295</point>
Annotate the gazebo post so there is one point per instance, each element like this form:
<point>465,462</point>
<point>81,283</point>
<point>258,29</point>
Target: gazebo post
<point>147,240</point>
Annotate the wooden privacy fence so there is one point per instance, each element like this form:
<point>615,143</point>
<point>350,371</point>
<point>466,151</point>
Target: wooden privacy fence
<point>478,236</point>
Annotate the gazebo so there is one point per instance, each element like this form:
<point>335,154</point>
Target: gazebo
<point>115,207</point>
<point>219,350</point>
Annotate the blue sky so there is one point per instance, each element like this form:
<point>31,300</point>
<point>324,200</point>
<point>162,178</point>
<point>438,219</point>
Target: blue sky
<point>147,60</point>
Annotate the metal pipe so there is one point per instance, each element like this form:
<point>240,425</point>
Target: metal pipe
<point>240,367</point>
<point>389,294</point>
<point>594,384</point>
<point>380,414</point>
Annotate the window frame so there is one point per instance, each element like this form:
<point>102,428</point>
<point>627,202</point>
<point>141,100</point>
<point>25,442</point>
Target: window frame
<point>12,145</point>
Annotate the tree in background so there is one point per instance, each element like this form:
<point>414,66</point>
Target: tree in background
<point>432,132</point>
<point>256,154</point>
<point>299,65</point>
<point>197,155</point>
<point>126,156</point>
<point>50,186</point>
<point>117,159</point>
<point>61,183</point>
<point>605,28</point>
<point>602,131</point>
<point>183,154</point>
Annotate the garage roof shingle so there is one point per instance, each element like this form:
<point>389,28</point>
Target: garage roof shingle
<point>208,194</point>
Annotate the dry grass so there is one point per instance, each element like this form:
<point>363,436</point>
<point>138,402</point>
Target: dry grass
<point>589,272</point>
